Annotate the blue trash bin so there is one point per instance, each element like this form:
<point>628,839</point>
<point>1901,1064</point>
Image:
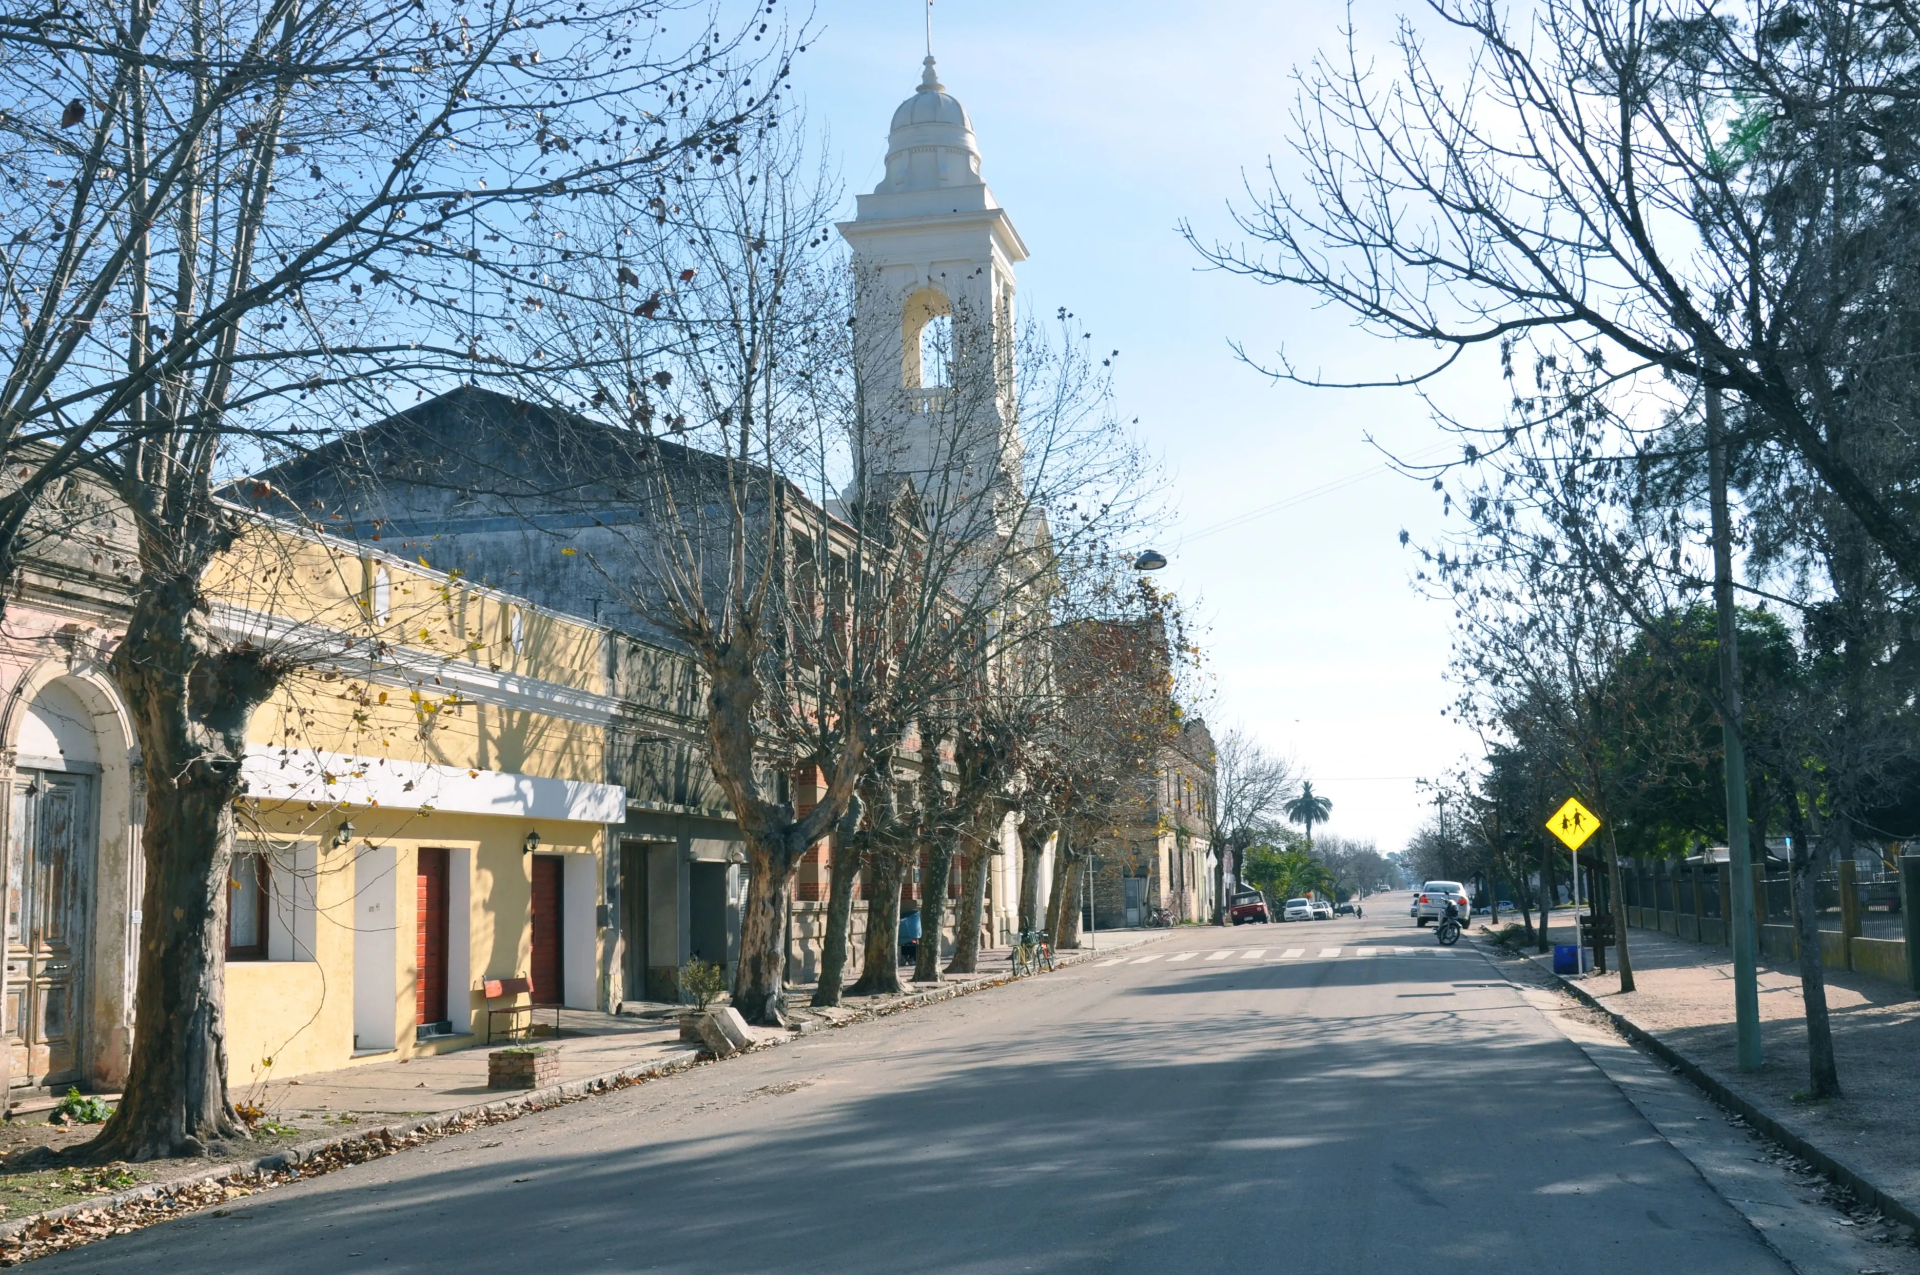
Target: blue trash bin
<point>1566,958</point>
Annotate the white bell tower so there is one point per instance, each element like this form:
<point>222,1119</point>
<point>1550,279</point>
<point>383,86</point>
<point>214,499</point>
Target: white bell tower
<point>933,258</point>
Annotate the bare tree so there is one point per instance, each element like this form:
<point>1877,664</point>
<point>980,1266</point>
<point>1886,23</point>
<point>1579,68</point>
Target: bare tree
<point>843,556</point>
<point>1251,787</point>
<point>261,245</point>
<point>1666,194</point>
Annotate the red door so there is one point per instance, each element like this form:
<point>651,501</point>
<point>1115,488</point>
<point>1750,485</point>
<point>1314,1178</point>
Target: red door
<point>430,951</point>
<point>546,930</point>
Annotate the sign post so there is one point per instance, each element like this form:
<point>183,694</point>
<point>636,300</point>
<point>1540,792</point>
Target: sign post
<point>1573,823</point>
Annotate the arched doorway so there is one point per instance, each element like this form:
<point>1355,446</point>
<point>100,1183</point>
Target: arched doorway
<point>52,855</point>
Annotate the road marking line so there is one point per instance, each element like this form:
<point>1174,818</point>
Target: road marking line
<point>1221,955</point>
<point>1403,951</point>
<point>1326,952</point>
<point>1253,953</point>
<point>1156,956</point>
<point>1184,956</point>
<point>1115,961</point>
<point>1366,951</point>
<point>1292,952</point>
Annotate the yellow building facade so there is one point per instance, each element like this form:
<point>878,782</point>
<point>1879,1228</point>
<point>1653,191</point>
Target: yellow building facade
<point>426,808</point>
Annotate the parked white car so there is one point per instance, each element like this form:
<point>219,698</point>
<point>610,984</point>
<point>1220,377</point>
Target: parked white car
<point>1322,910</point>
<point>1298,910</point>
<point>1431,903</point>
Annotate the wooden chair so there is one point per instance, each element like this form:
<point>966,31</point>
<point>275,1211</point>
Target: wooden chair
<point>499,988</point>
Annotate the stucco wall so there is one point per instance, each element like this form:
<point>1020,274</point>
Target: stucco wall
<point>301,1013</point>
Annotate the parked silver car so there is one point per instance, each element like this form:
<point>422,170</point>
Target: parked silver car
<point>1298,910</point>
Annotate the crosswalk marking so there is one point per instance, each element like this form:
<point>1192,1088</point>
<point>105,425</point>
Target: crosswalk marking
<point>1276,954</point>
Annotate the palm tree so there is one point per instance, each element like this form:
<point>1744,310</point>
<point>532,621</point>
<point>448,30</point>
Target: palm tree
<point>1309,809</point>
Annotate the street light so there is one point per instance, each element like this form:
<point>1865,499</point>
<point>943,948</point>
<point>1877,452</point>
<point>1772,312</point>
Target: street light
<point>1151,560</point>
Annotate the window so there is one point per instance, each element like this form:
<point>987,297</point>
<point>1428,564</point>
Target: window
<point>936,352</point>
<point>517,629</point>
<point>381,603</point>
<point>248,885</point>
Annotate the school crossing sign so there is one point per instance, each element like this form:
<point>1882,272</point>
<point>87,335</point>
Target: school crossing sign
<point>1573,823</point>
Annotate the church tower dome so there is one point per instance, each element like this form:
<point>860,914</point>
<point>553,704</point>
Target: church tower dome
<point>931,142</point>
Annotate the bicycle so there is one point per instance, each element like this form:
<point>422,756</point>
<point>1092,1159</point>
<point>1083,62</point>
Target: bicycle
<point>1159,919</point>
<point>1031,953</point>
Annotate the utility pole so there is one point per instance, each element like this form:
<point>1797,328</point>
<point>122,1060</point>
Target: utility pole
<point>1746,987</point>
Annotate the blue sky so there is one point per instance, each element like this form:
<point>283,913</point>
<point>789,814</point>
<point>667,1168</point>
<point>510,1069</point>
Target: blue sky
<point>1101,127</point>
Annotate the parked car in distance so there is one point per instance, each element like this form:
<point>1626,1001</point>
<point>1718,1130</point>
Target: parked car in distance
<point>1345,909</point>
<point>1298,910</point>
<point>1430,904</point>
<point>1248,908</point>
<point>1322,910</point>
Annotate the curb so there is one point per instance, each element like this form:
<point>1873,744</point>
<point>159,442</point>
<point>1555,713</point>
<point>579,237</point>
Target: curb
<point>390,1138</point>
<point>1838,1170</point>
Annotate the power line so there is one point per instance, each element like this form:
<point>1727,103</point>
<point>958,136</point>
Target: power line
<point>1300,498</point>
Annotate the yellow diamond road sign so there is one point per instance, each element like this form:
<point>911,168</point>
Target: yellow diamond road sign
<point>1573,823</point>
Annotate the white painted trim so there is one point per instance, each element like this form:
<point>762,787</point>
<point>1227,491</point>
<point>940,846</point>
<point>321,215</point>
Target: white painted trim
<point>274,774</point>
<point>361,655</point>
<point>580,931</point>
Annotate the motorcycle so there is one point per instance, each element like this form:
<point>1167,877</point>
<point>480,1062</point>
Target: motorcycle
<point>1448,931</point>
<point>1159,918</point>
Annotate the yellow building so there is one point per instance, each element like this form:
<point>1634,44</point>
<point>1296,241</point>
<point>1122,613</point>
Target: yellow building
<point>426,807</point>
<point>426,810</point>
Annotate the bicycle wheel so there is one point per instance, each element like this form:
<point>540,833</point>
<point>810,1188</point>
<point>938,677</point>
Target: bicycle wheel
<point>1046,957</point>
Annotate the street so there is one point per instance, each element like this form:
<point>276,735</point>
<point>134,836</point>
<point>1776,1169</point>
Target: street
<point>1328,1097</point>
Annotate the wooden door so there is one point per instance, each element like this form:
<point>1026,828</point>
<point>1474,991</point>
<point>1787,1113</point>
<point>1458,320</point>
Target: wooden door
<point>633,917</point>
<point>547,969</point>
<point>430,950</point>
<point>50,873</point>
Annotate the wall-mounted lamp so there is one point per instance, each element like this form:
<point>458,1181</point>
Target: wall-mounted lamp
<point>532,842</point>
<point>342,835</point>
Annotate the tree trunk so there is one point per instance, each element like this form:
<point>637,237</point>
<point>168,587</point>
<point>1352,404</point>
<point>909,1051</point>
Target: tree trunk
<point>1063,908</point>
<point>933,903</point>
<point>759,985</point>
<point>843,872</point>
<point>973,907</point>
<point>1546,894</point>
<point>1617,904</point>
<point>1823,1078</point>
<point>190,703</point>
<point>1032,842</point>
<point>880,955</point>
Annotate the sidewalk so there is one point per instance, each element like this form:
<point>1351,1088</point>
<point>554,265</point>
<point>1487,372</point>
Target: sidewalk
<point>1684,1001</point>
<point>323,1120</point>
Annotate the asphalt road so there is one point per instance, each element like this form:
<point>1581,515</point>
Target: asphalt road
<point>1289,1106</point>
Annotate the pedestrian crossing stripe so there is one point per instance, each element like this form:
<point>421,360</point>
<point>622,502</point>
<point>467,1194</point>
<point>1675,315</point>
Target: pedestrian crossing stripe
<point>1290,954</point>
